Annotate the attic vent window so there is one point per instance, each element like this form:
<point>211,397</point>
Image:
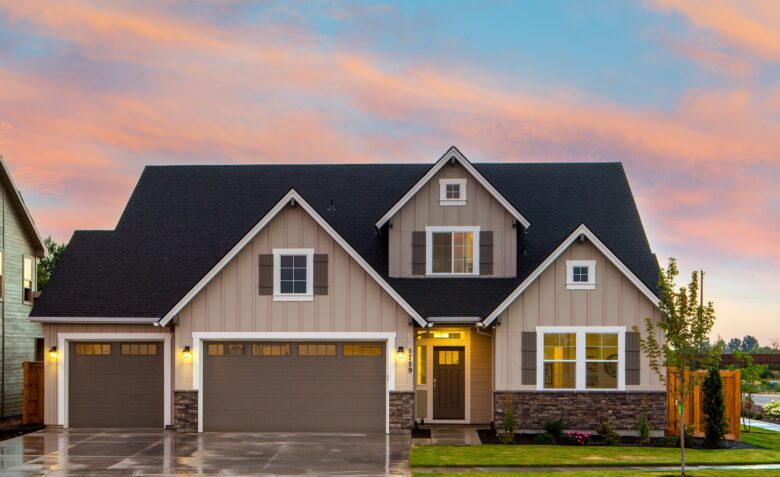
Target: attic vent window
<point>580,274</point>
<point>452,192</point>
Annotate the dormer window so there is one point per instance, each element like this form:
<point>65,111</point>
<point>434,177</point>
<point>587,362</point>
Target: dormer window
<point>452,192</point>
<point>452,250</point>
<point>580,274</point>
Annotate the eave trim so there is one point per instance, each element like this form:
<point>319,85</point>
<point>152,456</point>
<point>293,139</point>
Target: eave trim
<point>581,230</point>
<point>93,319</point>
<point>292,195</point>
<point>453,152</point>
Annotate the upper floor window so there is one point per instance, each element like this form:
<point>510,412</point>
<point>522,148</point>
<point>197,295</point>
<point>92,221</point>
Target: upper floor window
<point>452,192</point>
<point>580,274</point>
<point>293,274</point>
<point>581,358</point>
<point>452,250</point>
<point>28,284</point>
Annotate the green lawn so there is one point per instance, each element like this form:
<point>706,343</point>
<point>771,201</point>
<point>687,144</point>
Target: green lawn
<point>545,456</point>
<point>614,473</point>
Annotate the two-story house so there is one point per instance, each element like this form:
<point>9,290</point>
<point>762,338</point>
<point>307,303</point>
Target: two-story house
<point>20,247</point>
<point>357,298</point>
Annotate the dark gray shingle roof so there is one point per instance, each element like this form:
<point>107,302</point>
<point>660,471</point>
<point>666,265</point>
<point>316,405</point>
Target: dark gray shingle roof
<point>181,220</point>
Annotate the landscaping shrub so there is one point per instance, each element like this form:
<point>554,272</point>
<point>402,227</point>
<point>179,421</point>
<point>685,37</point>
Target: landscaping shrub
<point>714,407</point>
<point>772,410</point>
<point>554,428</point>
<point>644,430</point>
<point>578,438</point>
<point>544,439</point>
<point>508,435</point>
<point>607,434</point>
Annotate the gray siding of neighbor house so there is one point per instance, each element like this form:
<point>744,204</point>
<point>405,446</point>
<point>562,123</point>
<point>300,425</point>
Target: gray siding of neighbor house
<point>17,335</point>
<point>481,209</point>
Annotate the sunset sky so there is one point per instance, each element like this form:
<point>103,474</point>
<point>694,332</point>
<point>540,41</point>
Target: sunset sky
<point>685,93</point>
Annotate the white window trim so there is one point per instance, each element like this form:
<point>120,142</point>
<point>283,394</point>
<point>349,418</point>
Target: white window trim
<point>443,200</point>
<point>571,284</point>
<point>199,339</point>
<point>430,230</point>
<point>63,359</point>
<point>309,295</point>
<point>581,369</point>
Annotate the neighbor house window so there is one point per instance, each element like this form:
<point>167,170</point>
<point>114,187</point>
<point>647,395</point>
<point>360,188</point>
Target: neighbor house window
<point>452,250</point>
<point>452,192</point>
<point>293,274</point>
<point>580,358</point>
<point>580,274</point>
<point>28,274</point>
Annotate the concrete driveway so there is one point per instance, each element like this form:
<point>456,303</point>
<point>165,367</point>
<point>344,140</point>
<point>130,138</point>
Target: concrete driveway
<point>83,453</point>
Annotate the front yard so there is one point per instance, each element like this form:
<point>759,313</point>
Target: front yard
<point>590,456</point>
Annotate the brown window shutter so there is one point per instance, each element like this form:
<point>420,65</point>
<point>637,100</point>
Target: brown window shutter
<point>632,358</point>
<point>320,274</point>
<point>528,357</point>
<point>418,253</point>
<point>266,278</point>
<point>486,252</point>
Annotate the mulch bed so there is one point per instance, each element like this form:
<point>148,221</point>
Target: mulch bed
<point>489,436</point>
<point>418,433</point>
<point>12,427</point>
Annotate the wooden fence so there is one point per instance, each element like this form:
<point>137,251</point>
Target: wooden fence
<point>694,415</point>
<point>32,394</point>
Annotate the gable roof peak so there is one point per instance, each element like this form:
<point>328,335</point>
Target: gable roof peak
<point>18,201</point>
<point>453,153</point>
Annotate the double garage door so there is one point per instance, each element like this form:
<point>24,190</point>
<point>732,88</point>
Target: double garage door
<point>247,386</point>
<point>294,387</point>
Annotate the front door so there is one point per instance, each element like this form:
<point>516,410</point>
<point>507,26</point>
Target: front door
<point>449,382</point>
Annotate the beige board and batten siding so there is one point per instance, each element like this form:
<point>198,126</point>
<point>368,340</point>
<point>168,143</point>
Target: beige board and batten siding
<point>481,209</point>
<point>51,336</point>
<point>481,378</point>
<point>230,302</point>
<point>615,301</point>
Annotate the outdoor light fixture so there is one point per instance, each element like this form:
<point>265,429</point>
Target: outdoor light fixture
<point>400,353</point>
<point>53,352</point>
<point>186,352</point>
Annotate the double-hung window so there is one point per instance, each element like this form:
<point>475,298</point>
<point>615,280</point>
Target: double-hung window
<point>293,274</point>
<point>580,358</point>
<point>452,250</point>
<point>28,277</point>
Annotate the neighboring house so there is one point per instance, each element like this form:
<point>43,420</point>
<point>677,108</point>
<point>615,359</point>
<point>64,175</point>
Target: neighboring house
<point>20,340</point>
<point>357,298</point>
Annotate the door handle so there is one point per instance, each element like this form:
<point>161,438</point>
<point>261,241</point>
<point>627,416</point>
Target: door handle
<point>434,387</point>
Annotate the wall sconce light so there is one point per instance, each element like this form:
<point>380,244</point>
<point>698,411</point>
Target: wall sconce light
<point>400,353</point>
<point>186,352</point>
<point>53,352</point>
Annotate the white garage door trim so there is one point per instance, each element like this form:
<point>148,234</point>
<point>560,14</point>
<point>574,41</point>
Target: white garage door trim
<point>63,342</point>
<point>199,338</point>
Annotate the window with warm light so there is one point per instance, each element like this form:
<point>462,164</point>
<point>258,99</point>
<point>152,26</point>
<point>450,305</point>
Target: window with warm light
<point>422,365</point>
<point>28,276</point>
<point>581,358</point>
<point>452,250</point>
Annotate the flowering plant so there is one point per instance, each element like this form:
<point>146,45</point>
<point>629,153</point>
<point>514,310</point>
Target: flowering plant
<point>578,438</point>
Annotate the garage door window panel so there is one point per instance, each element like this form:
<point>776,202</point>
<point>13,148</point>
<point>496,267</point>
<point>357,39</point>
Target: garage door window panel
<point>271,350</point>
<point>362,350</point>
<point>93,349</point>
<point>317,350</point>
<point>139,349</point>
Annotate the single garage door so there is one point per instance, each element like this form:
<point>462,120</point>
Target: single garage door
<point>294,387</point>
<point>115,384</point>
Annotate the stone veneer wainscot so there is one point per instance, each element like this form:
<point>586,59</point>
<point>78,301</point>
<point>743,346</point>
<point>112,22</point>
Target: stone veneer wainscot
<point>185,411</point>
<point>401,411</point>
<point>583,410</point>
